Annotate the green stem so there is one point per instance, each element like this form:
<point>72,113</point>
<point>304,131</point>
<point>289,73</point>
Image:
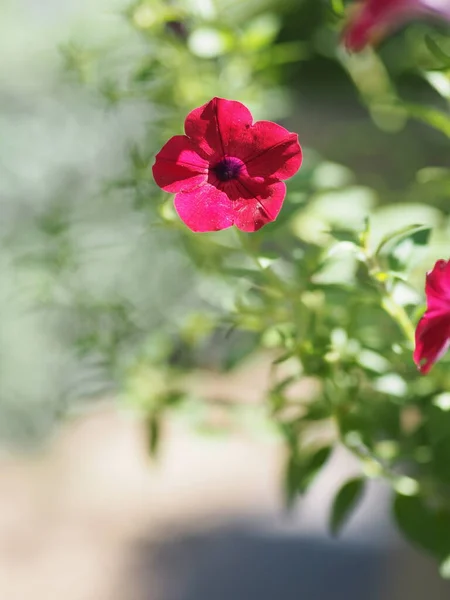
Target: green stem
<point>400,316</point>
<point>396,311</point>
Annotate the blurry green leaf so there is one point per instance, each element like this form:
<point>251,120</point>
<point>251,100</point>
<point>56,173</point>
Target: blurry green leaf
<point>260,32</point>
<point>239,345</point>
<point>252,274</point>
<point>437,424</point>
<point>444,568</point>
<point>283,358</point>
<point>440,82</point>
<point>431,116</point>
<point>302,469</point>
<point>427,526</point>
<point>437,51</point>
<point>345,248</point>
<point>372,361</point>
<point>392,384</point>
<point>400,248</point>
<point>338,7</point>
<point>344,502</point>
<point>154,433</point>
<point>283,384</point>
<point>345,235</point>
<point>317,411</point>
<point>440,459</point>
<point>365,234</point>
<point>290,479</point>
<point>77,60</point>
<point>403,233</point>
<point>173,399</point>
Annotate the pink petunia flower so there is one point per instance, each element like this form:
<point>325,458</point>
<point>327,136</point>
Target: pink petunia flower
<point>372,20</point>
<point>227,170</point>
<point>433,329</point>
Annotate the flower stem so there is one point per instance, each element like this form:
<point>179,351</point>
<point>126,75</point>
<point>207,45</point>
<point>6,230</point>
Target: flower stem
<point>396,311</point>
<point>400,316</point>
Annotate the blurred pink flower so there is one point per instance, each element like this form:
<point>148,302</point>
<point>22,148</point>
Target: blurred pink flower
<point>433,329</point>
<point>372,20</point>
<point>227,170</point>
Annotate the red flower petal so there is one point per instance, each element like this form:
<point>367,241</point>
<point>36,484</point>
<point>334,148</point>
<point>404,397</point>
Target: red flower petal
<point>372,20</point>
<point>256,204</point>
<point>270,150</point>
<point>248,205</point>
<point>432,340</point>
<point>217,128</point>
<point>224,128</point>
<point>205,209</point>
<point>437,287</point>
<point>368,23</point>
<point>178,167</point>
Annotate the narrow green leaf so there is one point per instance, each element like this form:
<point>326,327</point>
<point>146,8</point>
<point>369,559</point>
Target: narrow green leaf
<point>345,235</point>
<point>290,479</point>
<point>283,358</point>
<point>344,502</point>
<point>364,236</point>
<point>154,433</point>
<point>431,116</point>
<point>400,233</point>
<point>302,470</point>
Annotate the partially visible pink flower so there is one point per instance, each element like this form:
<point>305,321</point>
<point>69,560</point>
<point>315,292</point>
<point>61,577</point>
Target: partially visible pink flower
<point>372,20</point>
<point>433,329</point>
<point>227,170</point>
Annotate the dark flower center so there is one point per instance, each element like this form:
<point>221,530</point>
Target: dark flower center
<point>228,168</point>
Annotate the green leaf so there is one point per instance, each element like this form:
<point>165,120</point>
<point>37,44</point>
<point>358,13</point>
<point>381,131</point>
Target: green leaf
<point>437,51</point>
<point>302,470</point>
<point>424,525</point>
<point>345,235</point>
<point>401,248</point>
<point>284,357</point>
<point>444,568</point>
<point>437,424</point>
<point>431,116</point>
<point>317,411</point>
<point>344,502</point>
<point>154,433</point>
<point>338,8</point>
<point>260,32</point>
<point>401,234</point>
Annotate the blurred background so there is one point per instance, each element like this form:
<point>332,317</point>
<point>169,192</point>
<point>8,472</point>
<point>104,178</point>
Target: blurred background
<point>139,459</point>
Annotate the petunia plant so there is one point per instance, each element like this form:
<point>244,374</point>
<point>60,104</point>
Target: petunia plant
<point>338,278</point>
